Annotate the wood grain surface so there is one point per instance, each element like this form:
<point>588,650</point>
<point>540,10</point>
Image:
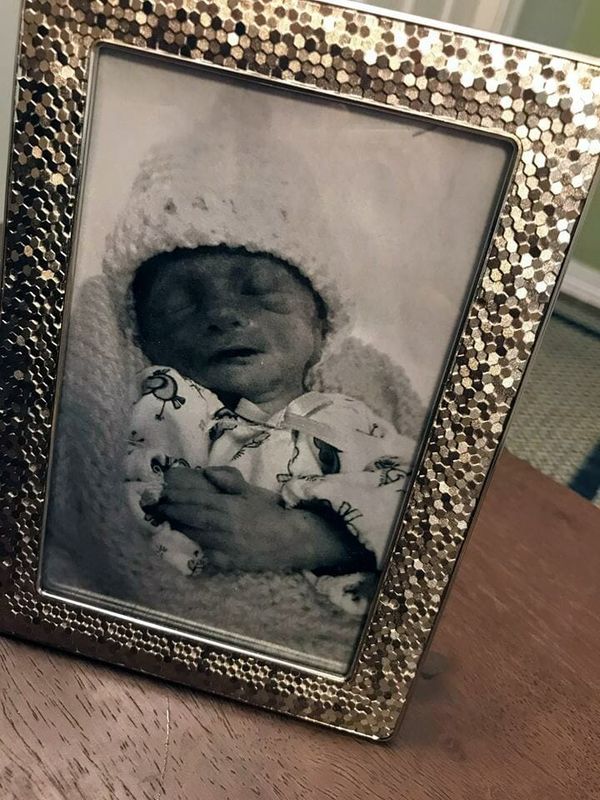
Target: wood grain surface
<point>510,708</point>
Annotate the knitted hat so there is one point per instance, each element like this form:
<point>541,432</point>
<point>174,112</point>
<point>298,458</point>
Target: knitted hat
<point>220,194</point>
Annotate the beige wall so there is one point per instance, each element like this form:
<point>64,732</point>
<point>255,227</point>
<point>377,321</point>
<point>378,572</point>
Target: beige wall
<point>585,38</point>
<point>574,25</point>
<point>548,21</point>
<point>9,23</point>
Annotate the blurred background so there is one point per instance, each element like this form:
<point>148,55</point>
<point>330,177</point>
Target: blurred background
<point>556,426</point>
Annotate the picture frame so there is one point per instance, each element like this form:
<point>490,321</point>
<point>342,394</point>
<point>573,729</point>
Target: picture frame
<point>529,114</point>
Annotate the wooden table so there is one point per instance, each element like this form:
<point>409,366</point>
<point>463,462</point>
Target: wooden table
<point>514,711</point>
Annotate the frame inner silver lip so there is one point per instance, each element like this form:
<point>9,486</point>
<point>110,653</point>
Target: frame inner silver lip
<point>205,634</point>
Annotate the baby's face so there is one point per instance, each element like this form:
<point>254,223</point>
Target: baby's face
<point>239,324</point>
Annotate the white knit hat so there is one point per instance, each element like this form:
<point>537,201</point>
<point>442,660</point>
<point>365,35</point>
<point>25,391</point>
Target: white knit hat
<point>218,193</point>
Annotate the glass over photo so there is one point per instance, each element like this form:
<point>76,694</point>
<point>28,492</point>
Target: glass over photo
<point>264,294</point>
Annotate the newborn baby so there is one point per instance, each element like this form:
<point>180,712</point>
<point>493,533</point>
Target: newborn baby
<point>231,460</point>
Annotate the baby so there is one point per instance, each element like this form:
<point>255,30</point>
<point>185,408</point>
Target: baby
<point>231,461</point>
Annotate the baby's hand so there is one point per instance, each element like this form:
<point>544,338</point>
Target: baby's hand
<point>185,485</point>
<point>228,480</point>
<point>236,524</point>
<point>241,526</point>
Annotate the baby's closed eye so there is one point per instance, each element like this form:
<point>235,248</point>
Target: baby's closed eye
<point>182,310</point>
<point>269,293</point>
<point>180,302</point>
<point>260,283</point>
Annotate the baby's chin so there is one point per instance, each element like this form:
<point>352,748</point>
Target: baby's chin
<point>233,381</point>
<point>266,394</point>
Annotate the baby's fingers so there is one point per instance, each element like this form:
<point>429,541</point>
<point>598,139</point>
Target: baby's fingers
<point>202,520</point>
<point>201,498</point>
<point>228,480</point>
<point>185,478</point>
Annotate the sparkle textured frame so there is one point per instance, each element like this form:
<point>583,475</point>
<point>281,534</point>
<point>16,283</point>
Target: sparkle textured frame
<point>547,102</point>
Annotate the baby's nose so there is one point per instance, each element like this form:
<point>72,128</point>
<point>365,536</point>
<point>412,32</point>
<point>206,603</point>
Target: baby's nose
<point>221,319</point>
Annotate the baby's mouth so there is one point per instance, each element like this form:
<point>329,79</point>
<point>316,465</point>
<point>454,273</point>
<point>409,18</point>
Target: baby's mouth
<point>233,354</point>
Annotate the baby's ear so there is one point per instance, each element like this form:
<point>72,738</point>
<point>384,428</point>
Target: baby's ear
<point>319,342</point>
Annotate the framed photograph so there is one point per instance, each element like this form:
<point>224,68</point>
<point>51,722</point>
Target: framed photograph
<point>272,277</point>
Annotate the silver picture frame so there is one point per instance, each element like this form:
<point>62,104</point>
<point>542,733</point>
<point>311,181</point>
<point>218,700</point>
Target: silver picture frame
<point>541,106</point>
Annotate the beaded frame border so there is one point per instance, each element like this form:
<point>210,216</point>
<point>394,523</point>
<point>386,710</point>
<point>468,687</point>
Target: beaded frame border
<point>548,102</point>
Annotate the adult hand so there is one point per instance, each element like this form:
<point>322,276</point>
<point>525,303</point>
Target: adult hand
<point>241,526</point>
